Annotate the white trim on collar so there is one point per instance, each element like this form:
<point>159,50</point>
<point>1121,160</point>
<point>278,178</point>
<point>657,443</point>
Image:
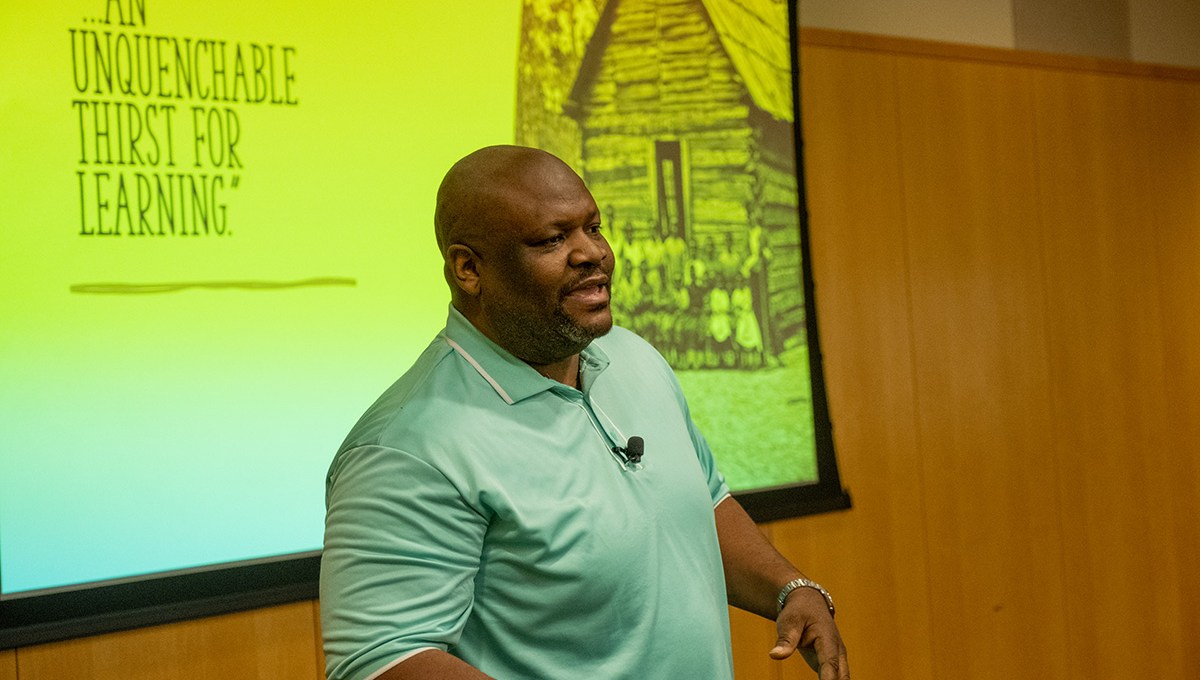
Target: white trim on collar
<point>491,381</point>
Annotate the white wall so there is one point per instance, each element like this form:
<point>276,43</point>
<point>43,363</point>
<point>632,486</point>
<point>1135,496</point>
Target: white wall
<point>977,22</point>
<point>1165,31</point>
<point>1148,31</point>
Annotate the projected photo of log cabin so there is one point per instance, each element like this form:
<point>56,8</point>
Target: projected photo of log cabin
<point>679,116</point>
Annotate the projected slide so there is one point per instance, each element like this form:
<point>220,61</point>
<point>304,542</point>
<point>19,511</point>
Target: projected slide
<point>216,243</point>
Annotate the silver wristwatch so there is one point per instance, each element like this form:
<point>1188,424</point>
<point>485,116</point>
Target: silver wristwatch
<point>803,583</point>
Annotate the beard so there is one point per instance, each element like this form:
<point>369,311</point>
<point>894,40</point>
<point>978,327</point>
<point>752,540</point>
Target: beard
<point>547,333</point>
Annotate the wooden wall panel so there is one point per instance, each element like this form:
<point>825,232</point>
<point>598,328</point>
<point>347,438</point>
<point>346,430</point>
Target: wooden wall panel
<point>753,636</point>
<point>874,557</point>
<point>8,665</point>
<point>266,644</point>
<point>1117,456</point>
<point>1174,141</point>
<point>979,350</point>
<point>1052,226</point>
<point>317,640</point>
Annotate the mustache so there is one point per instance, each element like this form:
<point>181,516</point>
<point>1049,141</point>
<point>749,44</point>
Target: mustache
<point>591,275</point>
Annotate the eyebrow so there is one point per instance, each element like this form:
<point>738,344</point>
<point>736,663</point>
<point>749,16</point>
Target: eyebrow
<point>592,218</point>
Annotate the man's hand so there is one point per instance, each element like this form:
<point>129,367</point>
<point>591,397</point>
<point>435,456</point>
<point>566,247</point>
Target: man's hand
<point>806,625</point>
<point>754,573</point>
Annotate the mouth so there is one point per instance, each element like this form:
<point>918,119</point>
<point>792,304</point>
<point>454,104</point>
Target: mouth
<point>592,291</point>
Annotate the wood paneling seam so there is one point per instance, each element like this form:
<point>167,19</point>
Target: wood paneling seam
<point>912,339</point>
<point>1051,386</point>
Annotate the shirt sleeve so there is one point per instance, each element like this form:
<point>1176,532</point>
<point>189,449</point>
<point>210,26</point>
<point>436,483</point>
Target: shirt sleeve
<point>402,548</point>
<point>717,488</point>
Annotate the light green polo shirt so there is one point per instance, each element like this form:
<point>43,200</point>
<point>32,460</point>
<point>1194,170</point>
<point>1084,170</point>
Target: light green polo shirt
<point>477,508</point>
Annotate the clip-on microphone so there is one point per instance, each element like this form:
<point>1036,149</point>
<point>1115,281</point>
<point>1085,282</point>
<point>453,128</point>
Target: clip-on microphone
<point>632,451</point>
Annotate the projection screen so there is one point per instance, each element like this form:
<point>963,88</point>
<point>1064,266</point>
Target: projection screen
<point>216,249</point>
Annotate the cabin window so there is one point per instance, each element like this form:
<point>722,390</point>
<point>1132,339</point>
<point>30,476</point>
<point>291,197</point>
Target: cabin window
<point>672,211</point>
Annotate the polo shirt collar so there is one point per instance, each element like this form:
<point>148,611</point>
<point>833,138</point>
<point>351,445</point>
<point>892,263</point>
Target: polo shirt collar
<point>513,379</point>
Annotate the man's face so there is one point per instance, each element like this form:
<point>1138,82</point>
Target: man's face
<point>545,270</point>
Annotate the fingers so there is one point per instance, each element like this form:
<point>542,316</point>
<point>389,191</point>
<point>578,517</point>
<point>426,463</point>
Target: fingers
<point>813,633</point>
<point>810,657</point>
<point>831,659</point>
<point>785,644</point>
<point>838,669</point>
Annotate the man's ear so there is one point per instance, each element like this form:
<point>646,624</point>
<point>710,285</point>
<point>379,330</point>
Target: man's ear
<point>462,265</point>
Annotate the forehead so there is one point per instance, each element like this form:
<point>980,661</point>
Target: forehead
<point>549,194</point>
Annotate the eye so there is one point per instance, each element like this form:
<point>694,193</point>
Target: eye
<point>552,241</point>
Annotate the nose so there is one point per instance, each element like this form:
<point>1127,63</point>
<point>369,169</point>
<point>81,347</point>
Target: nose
<point>589,249</point>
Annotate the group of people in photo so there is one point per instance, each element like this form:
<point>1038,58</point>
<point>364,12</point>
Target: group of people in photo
<point>698,301</point>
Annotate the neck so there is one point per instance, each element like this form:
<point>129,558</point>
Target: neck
<point>565,371</point>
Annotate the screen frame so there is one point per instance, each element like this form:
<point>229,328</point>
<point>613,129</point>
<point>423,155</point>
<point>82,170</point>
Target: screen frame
<point>44,616</point>
<point>826,494</point>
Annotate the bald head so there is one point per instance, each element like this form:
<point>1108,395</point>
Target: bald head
<point>479,193</point>
<point>524,255</point>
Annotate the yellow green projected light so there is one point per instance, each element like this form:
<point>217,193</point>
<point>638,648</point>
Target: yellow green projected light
<point>216,244</point>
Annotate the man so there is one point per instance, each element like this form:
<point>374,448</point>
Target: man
<point>488,516</point>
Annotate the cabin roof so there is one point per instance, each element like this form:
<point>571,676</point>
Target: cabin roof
<point>754,36</point>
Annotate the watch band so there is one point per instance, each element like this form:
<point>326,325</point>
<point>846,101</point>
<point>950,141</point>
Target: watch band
<point>803,583</point>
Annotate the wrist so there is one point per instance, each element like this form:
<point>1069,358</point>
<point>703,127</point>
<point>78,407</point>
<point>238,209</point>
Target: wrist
<point>793,585</point>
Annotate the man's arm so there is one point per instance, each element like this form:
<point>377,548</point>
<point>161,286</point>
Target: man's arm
<point>755,573</point>
<point>433,664</point>
<point>400,559</point>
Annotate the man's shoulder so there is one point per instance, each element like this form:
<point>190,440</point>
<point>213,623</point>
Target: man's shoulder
<point>415,402</point>
<point>630,354</point>
<point>623,340</point>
